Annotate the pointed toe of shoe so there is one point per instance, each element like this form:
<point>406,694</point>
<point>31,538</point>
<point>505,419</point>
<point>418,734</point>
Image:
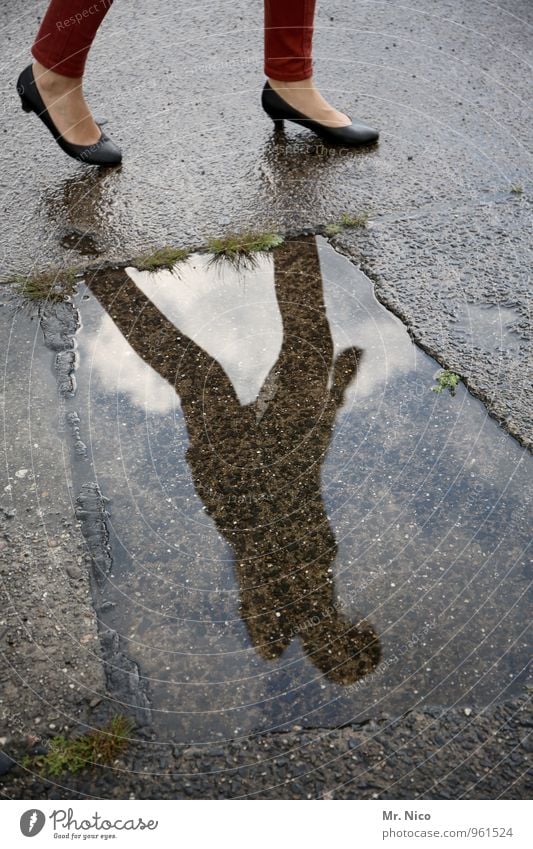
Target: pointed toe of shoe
<point>355,134</point>
<point>363,133</point>
<point>105,152</point>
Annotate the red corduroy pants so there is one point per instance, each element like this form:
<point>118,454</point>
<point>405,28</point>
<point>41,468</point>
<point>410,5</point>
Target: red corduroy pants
<point>69,27</point>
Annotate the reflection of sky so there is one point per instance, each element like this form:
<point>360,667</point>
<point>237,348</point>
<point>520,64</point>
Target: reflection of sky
<point>234,316</point>
<point>118,370</point>
<point>356,318</point>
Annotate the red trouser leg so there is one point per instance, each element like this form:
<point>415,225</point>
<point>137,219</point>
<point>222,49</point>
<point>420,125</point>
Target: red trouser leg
<point>66,34</point>
<point>288,39</point>
<point>69,27</point>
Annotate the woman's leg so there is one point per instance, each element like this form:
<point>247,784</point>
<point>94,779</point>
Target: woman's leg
<point>60,50</point>
<point>288,59</point>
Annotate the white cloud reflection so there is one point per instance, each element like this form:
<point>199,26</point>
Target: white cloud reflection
<point>234,316</point>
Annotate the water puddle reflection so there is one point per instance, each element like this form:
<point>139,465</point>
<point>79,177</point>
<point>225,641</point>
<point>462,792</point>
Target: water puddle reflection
<point>302,532</point>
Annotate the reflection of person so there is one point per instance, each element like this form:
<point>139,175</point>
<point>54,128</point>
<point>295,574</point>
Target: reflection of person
<point>257,467</point>
<point>52,86</point>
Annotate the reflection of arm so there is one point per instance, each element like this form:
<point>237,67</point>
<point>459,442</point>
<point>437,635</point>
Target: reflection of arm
<point>216,422</point>
<point>345,369</point>
<point>197,377</point>
<point>302,371</point>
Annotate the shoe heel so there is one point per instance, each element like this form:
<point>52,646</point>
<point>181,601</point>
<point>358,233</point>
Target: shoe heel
<point>26,105</point>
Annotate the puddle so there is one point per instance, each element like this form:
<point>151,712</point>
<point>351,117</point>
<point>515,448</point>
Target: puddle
<point>302,533</point>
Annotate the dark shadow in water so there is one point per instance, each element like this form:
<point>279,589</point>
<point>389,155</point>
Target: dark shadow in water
<point>257,467</point>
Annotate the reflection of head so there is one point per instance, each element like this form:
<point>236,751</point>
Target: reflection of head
<point>257,468</point>
<point>343,651</point>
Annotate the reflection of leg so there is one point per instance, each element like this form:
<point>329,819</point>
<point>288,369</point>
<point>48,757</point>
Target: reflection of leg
<point>307,348</point>
<point>299,286</point>
<point>307,342</point>
<point>300,415</point>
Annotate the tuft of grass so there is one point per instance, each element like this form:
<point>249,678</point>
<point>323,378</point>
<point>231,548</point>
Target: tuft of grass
<point>346,222</point>
<point>517,189</point>
<point>100,746</point>
<point>360,220</point>
<point>446,380</point>
<point>240,246</point>
<point>162,258</point>
<point>52,284</point>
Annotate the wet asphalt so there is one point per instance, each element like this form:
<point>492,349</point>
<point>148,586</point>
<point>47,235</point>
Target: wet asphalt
<point>448,86</point>
<point>448,197</point>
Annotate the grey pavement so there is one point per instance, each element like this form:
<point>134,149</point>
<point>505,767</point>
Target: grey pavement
<point>431,754</point>
<point>448,194</point>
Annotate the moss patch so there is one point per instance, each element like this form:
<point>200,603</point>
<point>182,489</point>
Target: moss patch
<point>332,229</point>
<point>53,284</point>
<point>100,746</point>
<point>446,380</point>
<point>360,220</point>
<point>346,222</point>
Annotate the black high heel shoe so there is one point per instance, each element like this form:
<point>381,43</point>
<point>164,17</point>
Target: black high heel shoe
<point>352,135</point>
<point>102,152</point>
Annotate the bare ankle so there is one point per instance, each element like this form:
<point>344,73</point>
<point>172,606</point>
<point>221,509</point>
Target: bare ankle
<point>50,82</point>
<point>277,85</point>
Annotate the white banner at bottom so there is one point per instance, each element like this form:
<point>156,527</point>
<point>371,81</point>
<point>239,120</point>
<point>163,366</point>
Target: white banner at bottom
<point>257,824</point>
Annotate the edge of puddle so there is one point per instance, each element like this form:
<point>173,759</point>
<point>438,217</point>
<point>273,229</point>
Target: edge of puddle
<point>358,260</point>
